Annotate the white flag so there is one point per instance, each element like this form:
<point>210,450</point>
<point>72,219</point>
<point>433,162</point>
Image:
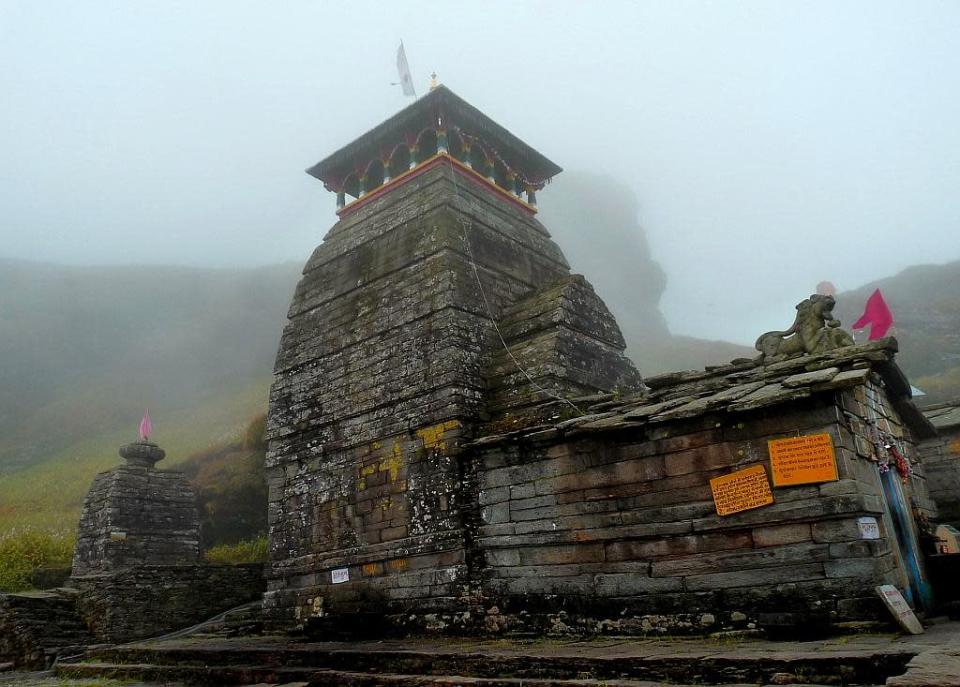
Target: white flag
<point>406,81</point>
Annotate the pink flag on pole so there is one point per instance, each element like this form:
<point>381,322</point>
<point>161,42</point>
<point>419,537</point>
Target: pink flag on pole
<point>877,315</point>
<point>146,427</point>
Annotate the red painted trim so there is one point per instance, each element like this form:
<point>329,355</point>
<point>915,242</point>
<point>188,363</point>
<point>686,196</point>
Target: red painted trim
<point>469,174</point>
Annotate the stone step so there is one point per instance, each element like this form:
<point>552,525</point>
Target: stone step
<point>222,663</point>
<point>187,673</point>
<point>308,677</point>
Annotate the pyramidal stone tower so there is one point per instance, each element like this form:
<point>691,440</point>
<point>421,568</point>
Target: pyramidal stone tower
<point>136,515</point>
<point>437,304</point>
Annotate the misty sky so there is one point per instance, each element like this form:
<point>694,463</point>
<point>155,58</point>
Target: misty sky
<point>771,144</point>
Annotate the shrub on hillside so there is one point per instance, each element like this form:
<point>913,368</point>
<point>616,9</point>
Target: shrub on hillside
<point>231,488</point>
<point>250,551</point>
<point>24,550</point>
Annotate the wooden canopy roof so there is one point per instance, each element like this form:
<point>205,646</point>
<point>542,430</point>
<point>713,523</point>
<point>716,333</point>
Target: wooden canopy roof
<point>441,108</point>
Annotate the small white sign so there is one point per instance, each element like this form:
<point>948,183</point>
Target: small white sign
<point>869,528</point>
<point>340,575</point>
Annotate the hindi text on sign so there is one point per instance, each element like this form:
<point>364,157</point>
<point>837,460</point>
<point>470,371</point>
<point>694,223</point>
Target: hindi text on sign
<point>742,490</point>
<point>802,460</point>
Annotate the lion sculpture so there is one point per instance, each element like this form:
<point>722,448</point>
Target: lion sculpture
<point>815,330</point>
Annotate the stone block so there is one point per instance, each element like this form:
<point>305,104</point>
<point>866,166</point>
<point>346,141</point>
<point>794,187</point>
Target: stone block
<point>634,584</point>
<point>523,491</point>
<point>502,557</point>
<point>518,504</point>
<point>861,568</point>
<point>495,495</point>
<point>779,535</point>
<point>852,549</point>
<point>740,560</point>
<point>711,457</point>
<point>555,555</point>
<point>754,578</point>
<point>805,509</point>
<point>496,514</point>
<point>676,546</point>
<point>843,486</point>
<point>836,531</point>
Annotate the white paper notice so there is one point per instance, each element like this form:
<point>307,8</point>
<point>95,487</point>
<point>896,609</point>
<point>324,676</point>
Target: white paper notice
<point>869,529</point>
<point>340,575</point>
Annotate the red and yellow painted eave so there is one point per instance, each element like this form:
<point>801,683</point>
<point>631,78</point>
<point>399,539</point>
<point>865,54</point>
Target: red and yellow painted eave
<point>469,174</point>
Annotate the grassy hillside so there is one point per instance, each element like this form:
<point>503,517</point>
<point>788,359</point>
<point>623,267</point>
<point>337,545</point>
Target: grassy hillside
<point>50,493</point>
<point>86,349</point>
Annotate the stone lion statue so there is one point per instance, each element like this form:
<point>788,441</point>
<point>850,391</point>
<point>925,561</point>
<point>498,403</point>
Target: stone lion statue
<point>815,330</point>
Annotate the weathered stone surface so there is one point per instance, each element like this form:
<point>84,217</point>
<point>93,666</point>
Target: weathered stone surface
<point>137,515</point>
<point>941,461</point>
<point>36,626</point>
<point>148,601</point>
<point>809,378</point>
<point>390,359</point>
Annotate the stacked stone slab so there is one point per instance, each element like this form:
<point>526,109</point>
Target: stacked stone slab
<point>384,368</point>
<point>570,345</point>
<point>36,627</point>
<point>136,515</point>
<point>941,456</point>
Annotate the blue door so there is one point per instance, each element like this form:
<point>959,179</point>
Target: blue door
<point>918,594</point>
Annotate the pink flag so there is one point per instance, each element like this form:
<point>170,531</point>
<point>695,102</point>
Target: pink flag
<point>877,315</point>
<point>146,427</point>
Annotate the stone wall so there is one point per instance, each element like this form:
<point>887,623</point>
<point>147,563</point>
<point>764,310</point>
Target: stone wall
<point>941,457</point>
<point>36,626</point>
<point>615,530</point>
<point>148,601</point>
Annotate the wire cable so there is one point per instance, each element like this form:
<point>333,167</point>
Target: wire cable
<point>465,224</point>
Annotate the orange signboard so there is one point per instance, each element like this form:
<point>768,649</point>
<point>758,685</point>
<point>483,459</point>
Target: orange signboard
<point>741,490</point>
<point>802,460</point>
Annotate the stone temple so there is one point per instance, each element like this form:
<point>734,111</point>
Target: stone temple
<point>457,443</point>
<point>436,303</point>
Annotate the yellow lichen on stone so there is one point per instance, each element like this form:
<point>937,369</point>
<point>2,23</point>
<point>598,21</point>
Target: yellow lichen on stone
<point>365,472</point>
<point>372,569</point>
<point>394,462</point>
<point>398,564</point>
<point>432,437</point>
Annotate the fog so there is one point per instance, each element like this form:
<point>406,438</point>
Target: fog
<point>770,145</point>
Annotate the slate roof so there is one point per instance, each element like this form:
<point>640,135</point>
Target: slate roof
<point>944,415</point>
<point>423,112</point>
<point>740,386</point>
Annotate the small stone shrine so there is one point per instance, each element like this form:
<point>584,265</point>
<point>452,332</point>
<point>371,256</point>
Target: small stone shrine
<point>135,514</point>
<point>137,564</point>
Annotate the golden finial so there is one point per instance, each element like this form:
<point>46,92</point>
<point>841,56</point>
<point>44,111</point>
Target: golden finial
<point>433,81</point>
